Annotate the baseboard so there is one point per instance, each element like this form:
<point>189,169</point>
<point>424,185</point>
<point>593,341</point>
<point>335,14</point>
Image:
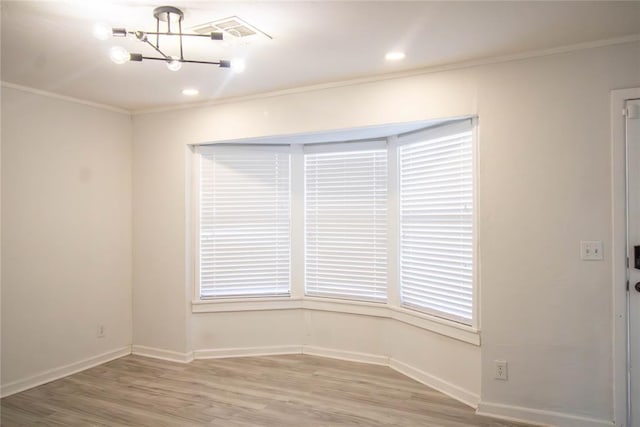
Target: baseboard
<point>247,351</point>
<point>63,371</point>
<point>157,353</point>
<point>429,380</point>
<point>495,410</point>
<point>352,356</point>
<point>465,396</point>
<point>539,417</point>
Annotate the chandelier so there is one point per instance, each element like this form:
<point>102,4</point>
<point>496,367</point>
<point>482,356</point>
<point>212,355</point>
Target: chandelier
<point>168,15</point>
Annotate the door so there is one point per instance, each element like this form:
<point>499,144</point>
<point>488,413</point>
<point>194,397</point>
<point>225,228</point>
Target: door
<point>632,127</point>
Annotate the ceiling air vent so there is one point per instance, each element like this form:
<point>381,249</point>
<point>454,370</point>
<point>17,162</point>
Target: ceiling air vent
<point>233,28</point>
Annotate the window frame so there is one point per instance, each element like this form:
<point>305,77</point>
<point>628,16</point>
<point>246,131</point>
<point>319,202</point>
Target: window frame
<point>195,194</point>
<point>470,124</point>
<point>380,144</point>
<point>297,300</point>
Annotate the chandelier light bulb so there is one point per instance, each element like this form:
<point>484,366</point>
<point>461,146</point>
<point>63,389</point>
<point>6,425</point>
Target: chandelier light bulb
<point>119,55</point>
<point>238,65</point>
<point>101,31</point>
<point>174,63</point>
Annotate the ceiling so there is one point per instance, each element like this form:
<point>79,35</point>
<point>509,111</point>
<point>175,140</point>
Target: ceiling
<point>48,45</point>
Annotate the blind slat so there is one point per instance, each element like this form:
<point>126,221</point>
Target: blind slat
<point>346,224</point>
<point>436,224</point>
<point>244,221</point>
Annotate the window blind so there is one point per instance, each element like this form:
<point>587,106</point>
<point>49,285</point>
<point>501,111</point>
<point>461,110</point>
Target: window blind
<point>436,221</point>
<point>244,221</point>
<point>346,221</point>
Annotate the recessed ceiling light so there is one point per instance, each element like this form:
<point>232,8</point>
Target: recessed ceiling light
<point>190,92</point>
<point>394,56</point>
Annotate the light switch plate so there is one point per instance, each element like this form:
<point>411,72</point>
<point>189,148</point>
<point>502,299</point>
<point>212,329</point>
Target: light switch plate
<point>591,250</point>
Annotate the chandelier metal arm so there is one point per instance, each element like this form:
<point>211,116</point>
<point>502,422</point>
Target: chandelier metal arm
<point>222,63</point>
<point>157,49</point>
<point>213,35</point>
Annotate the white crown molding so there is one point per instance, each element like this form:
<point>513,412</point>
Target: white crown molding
<point>403,74</point>
<point>64,98</point>
<point>352,82</point>
<point>62,371</point>
<point>538,416</point>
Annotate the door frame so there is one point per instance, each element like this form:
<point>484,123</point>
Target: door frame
<point>619,253</point>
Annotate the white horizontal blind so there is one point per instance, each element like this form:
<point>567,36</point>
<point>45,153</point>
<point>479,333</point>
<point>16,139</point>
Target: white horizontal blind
<point>436,221</point>
<point>244,221</point>
<point>346,223</point>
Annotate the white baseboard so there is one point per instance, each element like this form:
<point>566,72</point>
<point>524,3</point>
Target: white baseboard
<point>247,351</point>
<point>495,410</point>
<point>157,353</point>
<point>539,417</point>
<point>352,356</point>
<point>458,393</point>
<point>465,396</point>
<point>62,371</point>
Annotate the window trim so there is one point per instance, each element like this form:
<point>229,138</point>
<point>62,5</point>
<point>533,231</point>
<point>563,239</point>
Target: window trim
<point>437,131</point>
<point>346,147</point>
<point>297,300</point>
<point>196,150</point>
<point>418,319</point>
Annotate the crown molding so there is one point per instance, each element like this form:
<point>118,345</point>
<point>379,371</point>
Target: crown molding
<point>343,83</point>
<point>64,98</point>
<point>633,38</point>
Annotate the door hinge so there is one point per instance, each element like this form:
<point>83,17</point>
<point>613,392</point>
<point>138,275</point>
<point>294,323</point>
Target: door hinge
<point>627,286</point>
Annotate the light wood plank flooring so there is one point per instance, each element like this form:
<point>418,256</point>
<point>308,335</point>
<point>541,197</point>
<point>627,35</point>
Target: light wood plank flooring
<point>277,391</point>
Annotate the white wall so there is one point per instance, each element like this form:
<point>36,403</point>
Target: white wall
<point>450,365</point>
<point>227,332</point>
<point>544,184</point>
<point>66,236</point>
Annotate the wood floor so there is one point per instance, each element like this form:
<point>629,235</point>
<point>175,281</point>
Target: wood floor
<point>277,391</point>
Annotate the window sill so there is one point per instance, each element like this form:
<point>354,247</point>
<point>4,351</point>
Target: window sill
<point>410,317</point>
<point>245,304</point>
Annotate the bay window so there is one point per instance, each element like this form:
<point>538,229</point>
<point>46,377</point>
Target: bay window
<point>352,229</point>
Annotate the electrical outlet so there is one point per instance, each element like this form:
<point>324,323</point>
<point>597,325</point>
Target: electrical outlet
<point>101,331</point>
<point>501,370</point>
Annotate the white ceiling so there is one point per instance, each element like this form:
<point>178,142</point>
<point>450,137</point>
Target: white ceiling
<point>48,45</point>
